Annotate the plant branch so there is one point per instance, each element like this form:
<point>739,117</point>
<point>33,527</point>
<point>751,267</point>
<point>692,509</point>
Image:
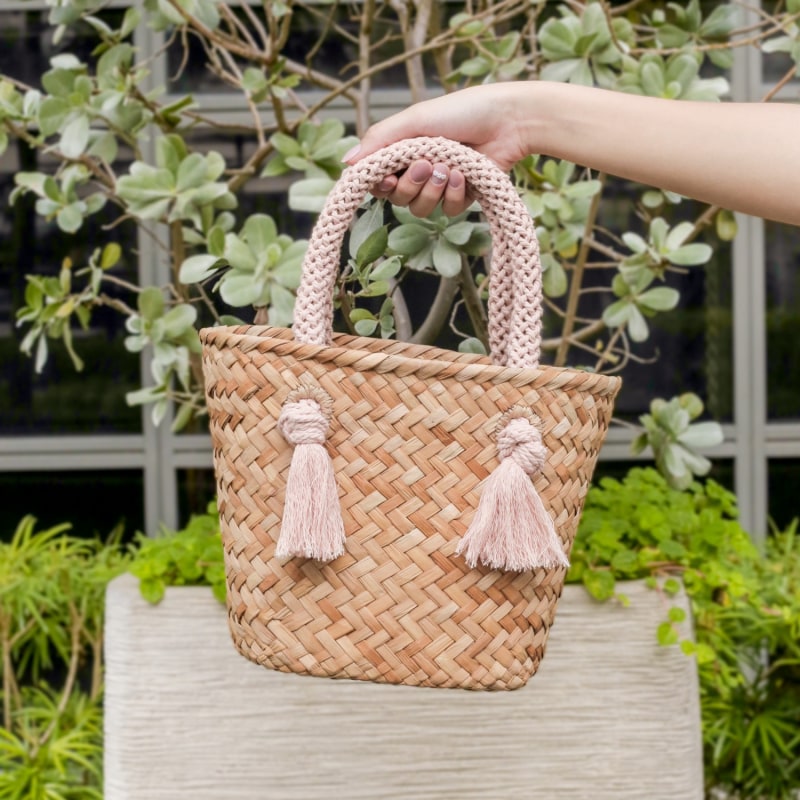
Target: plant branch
<point>577,277</point>
<point>439,312</point>
<point>473,304</point>
<point>402,318</point>
<point>69,682</point>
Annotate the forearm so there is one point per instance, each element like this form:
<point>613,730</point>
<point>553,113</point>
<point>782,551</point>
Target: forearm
<point>745,157</point>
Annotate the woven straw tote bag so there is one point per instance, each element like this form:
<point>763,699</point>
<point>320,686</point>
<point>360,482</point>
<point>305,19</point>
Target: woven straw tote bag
<point>395,512</point>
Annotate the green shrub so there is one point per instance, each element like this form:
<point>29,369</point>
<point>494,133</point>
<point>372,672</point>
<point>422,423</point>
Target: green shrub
<point>190,557</point>
<point>746,607</point>
<point>52,586</point>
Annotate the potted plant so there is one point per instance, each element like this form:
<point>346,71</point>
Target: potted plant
<point>668,605</point>
<point>215,714</point>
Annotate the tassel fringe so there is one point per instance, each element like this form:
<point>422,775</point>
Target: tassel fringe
<point>312,519</point>
<point>511,529</point>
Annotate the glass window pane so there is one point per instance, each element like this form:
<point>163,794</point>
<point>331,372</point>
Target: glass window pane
<point>26,42</point>
<point>722,470</point>
<point>689,349</point>
<point>783,321</point>
<point>196,489</point>
<point>93,501</point>
<point>784,481</point>
<point>61,399</point>
<point>320,36</point>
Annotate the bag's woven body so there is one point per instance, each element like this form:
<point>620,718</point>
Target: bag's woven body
<point>411,440</point>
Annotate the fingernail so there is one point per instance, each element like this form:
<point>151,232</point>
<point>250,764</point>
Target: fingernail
<point>456,180</point>
<point>420,172</point>
<point>438,177</point>
<point>351,153</point>
<point>385,185</point>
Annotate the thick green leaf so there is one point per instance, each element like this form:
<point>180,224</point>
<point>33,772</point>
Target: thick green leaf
<point>690,255</point>
<point>459,233</point>
<point>662,298</point>
<point>446,259</point>
<point>111,255</point>
<point>178,319</point>
<point>75,137</point>
<point>702,435</point>
<point>309,194</point>
<point>366,327</point>
<point>637,325</point>
<point>386,269</point>
<point>281,308</point>
<point>365,225</point>
<point>726,225</point>
<point>409,239</point>
<point>53,112</point>
<point>373,247</point>
<point>240,290</point>
<point>472,345</point>
<point>151,303</point>
<point>260,232</point>
<point>70,218</point>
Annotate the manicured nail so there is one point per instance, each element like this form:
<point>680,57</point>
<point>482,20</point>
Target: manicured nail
<point>351,153</point>
<point>456,180</point>
<point>420,172</point>
<point>385,185</point>
<point>438,177</point>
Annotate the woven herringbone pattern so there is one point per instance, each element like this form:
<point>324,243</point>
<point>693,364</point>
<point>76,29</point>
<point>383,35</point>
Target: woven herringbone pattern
<point>412,437</point>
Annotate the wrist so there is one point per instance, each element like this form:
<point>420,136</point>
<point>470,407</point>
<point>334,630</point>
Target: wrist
<point>537,114</point>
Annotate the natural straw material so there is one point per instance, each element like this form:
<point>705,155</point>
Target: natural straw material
<point>411,440</point>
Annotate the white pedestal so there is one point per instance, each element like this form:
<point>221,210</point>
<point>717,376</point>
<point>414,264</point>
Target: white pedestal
<point>610,716</point>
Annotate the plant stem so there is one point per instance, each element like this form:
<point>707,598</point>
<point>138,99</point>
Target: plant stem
<point>577,278</point>
<point>364,52</point>
<point>69,682</point>
<point>178,252</point>
<point>439,311</point>
<point>402,319</point>
<point>8,679</point>
<point>473,304</point>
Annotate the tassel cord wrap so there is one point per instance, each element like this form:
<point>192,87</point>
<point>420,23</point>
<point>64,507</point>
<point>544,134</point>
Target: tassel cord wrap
<point>511,529</point>
<point>312,520</point>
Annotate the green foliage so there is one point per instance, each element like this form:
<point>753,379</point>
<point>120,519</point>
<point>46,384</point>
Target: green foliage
<point>52,589</point>
<point>189,557</point>
<point>584,48</point>
<point>789,41</point>
<point>114,140</point>
<point>675,439</point>
<point>437,242</point>
<point>746,608</point>
<point>181,186</point>
<point>52,586</point>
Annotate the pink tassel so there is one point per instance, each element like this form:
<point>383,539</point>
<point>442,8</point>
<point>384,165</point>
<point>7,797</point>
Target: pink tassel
<point>511,529</point>
<point>312,518</point>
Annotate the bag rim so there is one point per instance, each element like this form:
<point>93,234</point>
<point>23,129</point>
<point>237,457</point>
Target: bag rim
<point>389,355</point>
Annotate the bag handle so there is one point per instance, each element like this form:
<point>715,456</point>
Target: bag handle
<point>515,291</point>
<point>511,528</point>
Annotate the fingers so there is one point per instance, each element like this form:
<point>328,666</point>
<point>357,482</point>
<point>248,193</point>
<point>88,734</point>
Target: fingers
<point>423,186</point>
<point>455,199</point>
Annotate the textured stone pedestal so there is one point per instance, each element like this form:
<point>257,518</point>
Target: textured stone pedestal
<point>610,716</point>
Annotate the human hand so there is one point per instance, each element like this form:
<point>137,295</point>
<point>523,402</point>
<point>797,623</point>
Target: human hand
<point>484,117</point>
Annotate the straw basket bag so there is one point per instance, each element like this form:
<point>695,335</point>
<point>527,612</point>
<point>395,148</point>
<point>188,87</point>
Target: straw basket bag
<point>394,512</point>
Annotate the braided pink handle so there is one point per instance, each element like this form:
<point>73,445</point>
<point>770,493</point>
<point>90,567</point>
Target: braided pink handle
<point>515,295</point>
